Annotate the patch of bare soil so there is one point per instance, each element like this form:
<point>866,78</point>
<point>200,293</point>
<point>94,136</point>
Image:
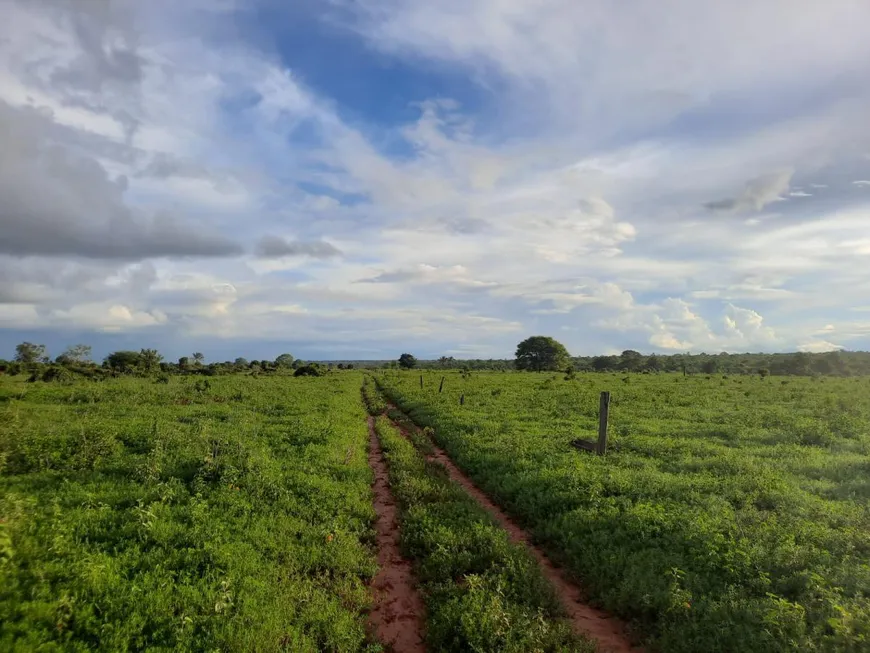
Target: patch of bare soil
<point>397,617</point>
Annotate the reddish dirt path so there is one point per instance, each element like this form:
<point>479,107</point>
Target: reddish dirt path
<point>609,632</point>
<point>397,617</point>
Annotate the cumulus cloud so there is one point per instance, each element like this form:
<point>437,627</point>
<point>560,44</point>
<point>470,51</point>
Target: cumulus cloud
<point>277,247</point>
<point>57,202</point>
<point>759,192</point>
<point>559,191</point>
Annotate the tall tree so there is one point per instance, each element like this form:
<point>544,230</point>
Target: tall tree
<point>630,360</point>
<point>150,359</point>
<point>75,354</point>
<point>284,360</point>
<point>407,361</point>
<point>198,358</point>
<point>124,361</point>
<point>27,352</point>
<point>540,353</point>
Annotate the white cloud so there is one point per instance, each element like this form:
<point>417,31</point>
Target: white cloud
<point>569,193</point>
<point>818,346</point>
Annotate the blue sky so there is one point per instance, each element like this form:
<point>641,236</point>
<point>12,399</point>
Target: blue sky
<point>356,179</point>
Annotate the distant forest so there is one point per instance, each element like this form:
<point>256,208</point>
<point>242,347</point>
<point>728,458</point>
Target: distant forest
<point>834,363</point>
<point>33,359</point>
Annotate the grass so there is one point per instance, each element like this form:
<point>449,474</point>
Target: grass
<point>730,514</point>
<point>482,592</point>
<point>229,516</point>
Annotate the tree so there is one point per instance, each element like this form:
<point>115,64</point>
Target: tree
<point>149,359</point>
<point>630,360</point>
<point>198,358</point>
<point>183,362</point>
<point>124,361</point>
<point>710,366</point>
<point>407,361</point>
<point>75,354</point>
<point>240,363</point>
<point>601,363</point>
<point>653,364</point>
<point>27,352</point>
<point>284,360</point>
<point>540,353</point>
<point>311,369</point>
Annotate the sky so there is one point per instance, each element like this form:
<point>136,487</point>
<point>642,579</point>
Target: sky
<point>353,179</point>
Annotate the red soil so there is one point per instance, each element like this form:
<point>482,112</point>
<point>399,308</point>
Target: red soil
<point>397,618</point>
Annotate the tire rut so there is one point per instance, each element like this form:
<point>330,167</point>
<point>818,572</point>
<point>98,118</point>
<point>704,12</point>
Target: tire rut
<point>398,613</point>
<point>610,633</point>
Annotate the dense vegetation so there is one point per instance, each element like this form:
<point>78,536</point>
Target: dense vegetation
<point>228,514</point>
<point>33,360</point>
<point>731,514</point>
<point>482,592</point>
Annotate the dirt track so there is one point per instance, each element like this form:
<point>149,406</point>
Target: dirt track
<point>609,632</point>
<point>398,615</point>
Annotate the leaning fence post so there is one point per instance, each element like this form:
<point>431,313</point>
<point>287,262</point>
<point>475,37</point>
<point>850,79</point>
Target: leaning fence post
<point>441,387</point>
<point>603,412</point>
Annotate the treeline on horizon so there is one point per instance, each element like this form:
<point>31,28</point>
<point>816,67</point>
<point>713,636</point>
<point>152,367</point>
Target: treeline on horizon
<point>33,359</point>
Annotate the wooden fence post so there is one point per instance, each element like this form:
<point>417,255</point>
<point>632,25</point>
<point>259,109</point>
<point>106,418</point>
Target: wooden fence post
<point>421,381</point>
<point>603,412</point>
<point>462,399</point>
<point>441,387</point>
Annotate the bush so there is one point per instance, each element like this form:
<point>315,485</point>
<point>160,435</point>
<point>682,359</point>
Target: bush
<point>311,369</point>
<point>58,374</point>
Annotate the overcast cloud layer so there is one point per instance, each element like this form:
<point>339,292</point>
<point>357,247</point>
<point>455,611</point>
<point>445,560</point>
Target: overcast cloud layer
<point>357,179</point>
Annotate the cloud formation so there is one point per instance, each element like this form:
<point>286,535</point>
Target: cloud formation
<point>455,175</point>
<point>759,192</point>
<point>277,247</point>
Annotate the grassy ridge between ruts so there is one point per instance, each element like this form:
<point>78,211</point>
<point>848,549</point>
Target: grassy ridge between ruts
<point>229,516</point>
<point>483,593</point>
<point>731,514</point>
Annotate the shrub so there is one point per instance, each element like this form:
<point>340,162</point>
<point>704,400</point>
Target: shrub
<point>311,369</point>
<point>59,374</point>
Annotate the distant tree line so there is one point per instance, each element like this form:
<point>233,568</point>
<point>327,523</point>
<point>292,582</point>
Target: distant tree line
<point>537,353</point>
<point>833,363</point>
<point>33,359</point>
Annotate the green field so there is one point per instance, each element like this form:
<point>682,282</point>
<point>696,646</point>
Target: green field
<point>177,517</point>
<point>234,513</point>
<point>731,514</point>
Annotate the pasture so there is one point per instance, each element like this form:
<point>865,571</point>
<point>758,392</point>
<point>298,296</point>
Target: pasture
<point>235,512</point>
<point>730,513</point>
